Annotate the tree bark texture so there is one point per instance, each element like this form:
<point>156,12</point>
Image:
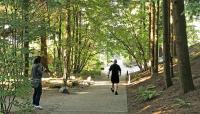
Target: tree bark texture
<point>26,37</point>
<point>182,47</point>
<point>166,44</point>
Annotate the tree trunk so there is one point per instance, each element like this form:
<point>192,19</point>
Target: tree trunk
<point>149,53</point>
<point>59,64</point>
<point>160,54</point>
<point>143,7</point>
<point>54,51</point>
<point>166,43</point>
<point>43,48</point>
<point>156,40</point>
<point>79,41</point>
<point>44,51</point>
<point>26,37</point>
<point>153,40</point>
<point>182,47</point>
<point>67,53</point>
<point>171,39</point>
<point>76,48</point>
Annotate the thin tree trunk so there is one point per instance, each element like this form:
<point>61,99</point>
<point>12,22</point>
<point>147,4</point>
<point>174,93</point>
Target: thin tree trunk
<point>171,40</point>
<point>76,51</point>
<point>173,32</point>
<point>156,40</point>
<point>149,53</point>
<point>14,33</point>
<point>67,54</point>
<point>79,41</point>
<point>59,64</point>
<point>44,51</point>
<point>153,41</point>
<point>54,51</point>
<point>26,37</point>
<point>166,44</point>
<point>44,42</point>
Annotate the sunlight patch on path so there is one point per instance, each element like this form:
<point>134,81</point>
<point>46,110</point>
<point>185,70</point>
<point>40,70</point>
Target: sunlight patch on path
<point>98,83</point>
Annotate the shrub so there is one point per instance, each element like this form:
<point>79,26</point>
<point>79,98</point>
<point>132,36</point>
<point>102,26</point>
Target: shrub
<point>15,88</point>
<point>147,93</point>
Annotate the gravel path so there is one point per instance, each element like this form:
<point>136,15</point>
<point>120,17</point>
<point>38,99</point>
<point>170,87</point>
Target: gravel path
<point>97,99</point>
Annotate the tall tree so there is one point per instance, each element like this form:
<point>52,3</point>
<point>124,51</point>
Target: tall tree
<point>43,37</point>
<point>166,44</point>
<point>156,38</point>
<point>26,35</point>
<point>67,50</point>
<point>171,39</point>
<point>153,38</point>
<point>182,46</point>
<point>43,48</point>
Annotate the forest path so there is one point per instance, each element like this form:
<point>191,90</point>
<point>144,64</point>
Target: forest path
<point>96,99</point>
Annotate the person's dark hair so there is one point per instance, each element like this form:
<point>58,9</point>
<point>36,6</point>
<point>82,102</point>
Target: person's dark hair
<point>115,61</point>
<point>37,60</point>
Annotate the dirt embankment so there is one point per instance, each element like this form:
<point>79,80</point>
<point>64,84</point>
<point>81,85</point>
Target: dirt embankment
<point>171,100</point>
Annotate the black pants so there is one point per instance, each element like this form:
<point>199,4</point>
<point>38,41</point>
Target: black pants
<point>37,94</point>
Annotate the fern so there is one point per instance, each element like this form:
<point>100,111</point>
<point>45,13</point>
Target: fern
<point>147,93</point>
<point>180,103</point>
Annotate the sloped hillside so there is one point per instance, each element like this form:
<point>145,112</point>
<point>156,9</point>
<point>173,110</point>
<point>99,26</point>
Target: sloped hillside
<point>170,100</point>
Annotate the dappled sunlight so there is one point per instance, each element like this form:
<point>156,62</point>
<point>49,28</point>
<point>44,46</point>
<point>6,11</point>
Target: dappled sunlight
<point>58,80</point>
<point>50,78</point>
<point>162,110</point>
<point>47,88</point>
<point>81,93</point>
<point>159,110</point>
<point>144,108</point>
<point>2,8</point>
<point>140,80</point>
<point>99,83</point>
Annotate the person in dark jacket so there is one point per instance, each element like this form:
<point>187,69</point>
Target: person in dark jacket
<point>116,72</point>
<point>37,72</point>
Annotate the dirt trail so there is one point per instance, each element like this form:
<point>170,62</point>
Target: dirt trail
<point>97,99</point>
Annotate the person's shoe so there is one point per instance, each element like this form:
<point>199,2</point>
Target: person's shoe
<point>112,90</point>
<point>38,107</point>
<point>116,93</point>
